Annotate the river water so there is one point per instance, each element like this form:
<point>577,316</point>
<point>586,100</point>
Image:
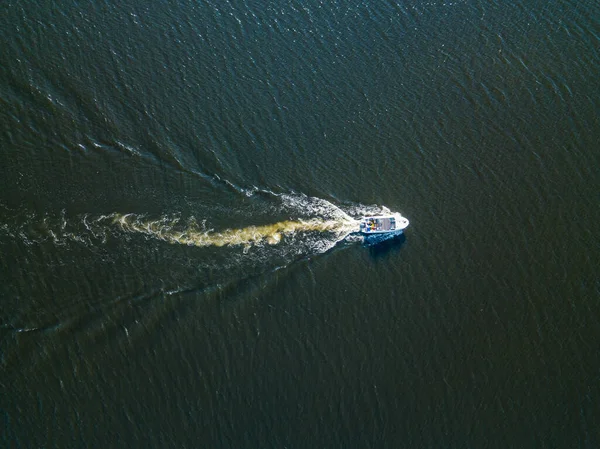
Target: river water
<point>179,185</point>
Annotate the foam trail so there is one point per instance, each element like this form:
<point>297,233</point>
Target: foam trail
<point>248,236</point>
<point>317,225</point>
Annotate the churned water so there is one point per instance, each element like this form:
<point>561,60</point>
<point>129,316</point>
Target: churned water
<point>180,182</point>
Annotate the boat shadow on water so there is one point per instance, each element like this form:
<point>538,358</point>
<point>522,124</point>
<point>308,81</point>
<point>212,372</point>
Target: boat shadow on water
<point>384,244</point>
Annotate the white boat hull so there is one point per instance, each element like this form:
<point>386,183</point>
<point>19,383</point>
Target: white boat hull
<point>383,224</point>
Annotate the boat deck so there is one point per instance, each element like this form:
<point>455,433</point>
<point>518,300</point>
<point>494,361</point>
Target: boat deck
<point>378,224</point>
<point>387,224</point>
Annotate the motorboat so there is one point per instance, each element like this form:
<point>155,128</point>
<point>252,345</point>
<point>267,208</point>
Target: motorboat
<point>383,224</point>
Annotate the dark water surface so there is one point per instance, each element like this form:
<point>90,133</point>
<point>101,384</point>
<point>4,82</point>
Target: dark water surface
<point>178,181</point>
